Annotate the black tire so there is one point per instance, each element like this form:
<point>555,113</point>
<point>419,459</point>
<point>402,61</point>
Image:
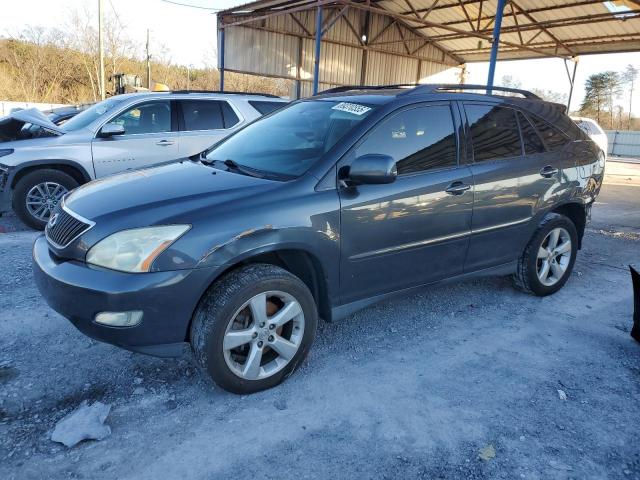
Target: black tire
<point>526,278</point>
<point>217,309</point>
<point>30,180</point>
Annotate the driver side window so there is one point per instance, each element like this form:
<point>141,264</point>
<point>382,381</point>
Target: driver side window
<point>418,139</point>
<point>149,117</point>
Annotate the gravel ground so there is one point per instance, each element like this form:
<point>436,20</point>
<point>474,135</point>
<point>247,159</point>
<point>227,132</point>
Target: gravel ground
<point>413,388</point>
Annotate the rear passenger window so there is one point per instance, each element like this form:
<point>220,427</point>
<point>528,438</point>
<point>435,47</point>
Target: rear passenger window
<point>418,139</point>
<point>531,140</point>
<point>494,132</point>
<point>202,115</point>
<point>553,138</point>
<point>207,115</point>
<point>264,107</point>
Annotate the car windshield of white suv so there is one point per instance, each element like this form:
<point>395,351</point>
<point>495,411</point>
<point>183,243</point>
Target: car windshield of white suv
<point>288,142</point>
<point>92,113</point>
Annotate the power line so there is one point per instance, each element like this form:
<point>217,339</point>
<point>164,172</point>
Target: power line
<point>193,6</point>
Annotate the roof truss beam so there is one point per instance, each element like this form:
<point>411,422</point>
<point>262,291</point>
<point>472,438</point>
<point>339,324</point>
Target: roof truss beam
<point>546,25</point>
<point>430,24</point>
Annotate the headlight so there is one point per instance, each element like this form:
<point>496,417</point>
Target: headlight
<point>5,151</point>
<point>134,250</point>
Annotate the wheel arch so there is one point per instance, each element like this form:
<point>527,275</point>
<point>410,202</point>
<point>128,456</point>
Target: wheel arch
<point>78,172</point>
<point>297,261</point>
<point>577,213</point>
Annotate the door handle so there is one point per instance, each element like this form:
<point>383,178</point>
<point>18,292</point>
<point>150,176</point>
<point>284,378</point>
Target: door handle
<point>165,143</point>
<point>548,171</point>
<point>457,188</point>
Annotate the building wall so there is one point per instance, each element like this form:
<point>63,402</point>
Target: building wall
<point>280,47</point>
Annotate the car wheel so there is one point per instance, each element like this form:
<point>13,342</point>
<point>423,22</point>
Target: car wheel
<point>253,328</point>
<point>38,193</point>
<point>547,261</point>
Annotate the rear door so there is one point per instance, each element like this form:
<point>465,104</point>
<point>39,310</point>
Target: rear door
<point>150,137</point>
<point>517,175</point>
<point>416,229</point>
<point>204,122</point>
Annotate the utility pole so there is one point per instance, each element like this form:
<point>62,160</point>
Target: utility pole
<point>101,50</point>
<point>148,63</point>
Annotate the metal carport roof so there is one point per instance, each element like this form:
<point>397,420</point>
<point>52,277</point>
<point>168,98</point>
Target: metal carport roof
<point>393,41</point>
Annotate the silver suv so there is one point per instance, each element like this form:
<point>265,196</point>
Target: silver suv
<point>41,161</point>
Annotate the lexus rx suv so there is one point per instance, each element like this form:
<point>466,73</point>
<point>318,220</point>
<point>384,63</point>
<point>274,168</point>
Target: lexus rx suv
<point>314,211</point>
<point>41,160</point>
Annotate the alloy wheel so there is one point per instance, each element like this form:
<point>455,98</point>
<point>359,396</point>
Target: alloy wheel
<point>263,335</point>
<point>43,198</point>
<point>554,256</point>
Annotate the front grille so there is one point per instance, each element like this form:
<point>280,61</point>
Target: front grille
<point>65,228</point>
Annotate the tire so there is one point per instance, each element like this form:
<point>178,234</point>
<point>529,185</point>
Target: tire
<point>225,305</point>
<point>55,182</point>
<point>530,272</point>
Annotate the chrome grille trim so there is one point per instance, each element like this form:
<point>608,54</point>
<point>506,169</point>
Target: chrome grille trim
<point>68,228</point>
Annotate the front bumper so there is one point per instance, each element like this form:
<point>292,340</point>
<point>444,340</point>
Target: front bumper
<point>5,190</point>
<point>79,291</point>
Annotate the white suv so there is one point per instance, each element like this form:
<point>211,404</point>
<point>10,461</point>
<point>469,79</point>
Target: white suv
<point>595,132</point>
<point>40,161</point>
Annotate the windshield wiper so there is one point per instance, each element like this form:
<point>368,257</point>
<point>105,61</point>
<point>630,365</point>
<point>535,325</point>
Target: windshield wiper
<point>232,166</point>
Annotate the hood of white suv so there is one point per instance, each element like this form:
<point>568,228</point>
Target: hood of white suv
<point>35,117</point>
<point>27,125</point>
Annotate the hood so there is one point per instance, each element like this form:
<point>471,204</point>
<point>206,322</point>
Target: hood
<point>36,117</point>
<point>148,196</point>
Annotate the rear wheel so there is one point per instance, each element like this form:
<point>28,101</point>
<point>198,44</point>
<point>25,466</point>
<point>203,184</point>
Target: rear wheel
<point>253,328</point>
<point>548,259</point>
<point>38,193</point>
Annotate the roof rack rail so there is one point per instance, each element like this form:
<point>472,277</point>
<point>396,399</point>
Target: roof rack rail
<point>226,92</point>
<point>415,88</point>
<point>348,88</point>
<point>444,87</point>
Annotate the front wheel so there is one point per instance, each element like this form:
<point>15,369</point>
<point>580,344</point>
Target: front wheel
<point>38,193</point>
<point>548,259</point>
<point>253,328</point>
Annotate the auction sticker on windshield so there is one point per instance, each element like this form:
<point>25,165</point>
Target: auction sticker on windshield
<point>354,108</point>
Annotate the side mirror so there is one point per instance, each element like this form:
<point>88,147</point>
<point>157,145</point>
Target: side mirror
<point>111,129</point>
<point>373,169</point>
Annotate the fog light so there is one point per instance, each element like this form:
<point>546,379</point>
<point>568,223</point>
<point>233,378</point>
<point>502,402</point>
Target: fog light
<point>119,319</point>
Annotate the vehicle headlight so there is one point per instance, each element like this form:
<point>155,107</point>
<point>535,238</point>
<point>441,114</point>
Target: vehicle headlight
<point>134,250</point>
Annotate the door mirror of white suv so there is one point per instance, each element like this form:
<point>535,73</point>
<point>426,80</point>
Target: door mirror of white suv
<point>111,129</point>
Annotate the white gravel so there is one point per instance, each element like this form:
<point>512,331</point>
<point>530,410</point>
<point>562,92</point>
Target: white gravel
<point>413,388</point>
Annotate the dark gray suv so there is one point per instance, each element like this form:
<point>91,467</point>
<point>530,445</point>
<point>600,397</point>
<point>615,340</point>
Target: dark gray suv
<point>317,210</point>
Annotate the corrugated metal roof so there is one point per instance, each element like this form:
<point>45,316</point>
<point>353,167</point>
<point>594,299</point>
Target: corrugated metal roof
<point>463,28</point>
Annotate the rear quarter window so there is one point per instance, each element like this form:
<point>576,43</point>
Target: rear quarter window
<point>552,136</point>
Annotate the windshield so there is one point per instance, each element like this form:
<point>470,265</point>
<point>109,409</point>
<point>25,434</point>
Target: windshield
<point>291,140</point>
<point>92,113</point>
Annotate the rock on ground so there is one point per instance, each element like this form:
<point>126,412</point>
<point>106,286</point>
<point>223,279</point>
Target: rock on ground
<point>84,423</point>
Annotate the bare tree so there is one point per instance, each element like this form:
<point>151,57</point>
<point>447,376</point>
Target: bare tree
<point>629,77</point>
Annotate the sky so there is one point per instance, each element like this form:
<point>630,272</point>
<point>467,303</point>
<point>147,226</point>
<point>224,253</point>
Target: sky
<point>189,35</point>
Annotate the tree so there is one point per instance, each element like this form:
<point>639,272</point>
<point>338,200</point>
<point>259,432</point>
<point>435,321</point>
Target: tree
<point>550,95</point>
<point>629,77</point>
<point>510,81</point>
<point>613,90</point>
<point>594,97</point>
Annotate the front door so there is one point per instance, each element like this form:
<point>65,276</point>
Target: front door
<point>416,229</point>
<point>150,137</point>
